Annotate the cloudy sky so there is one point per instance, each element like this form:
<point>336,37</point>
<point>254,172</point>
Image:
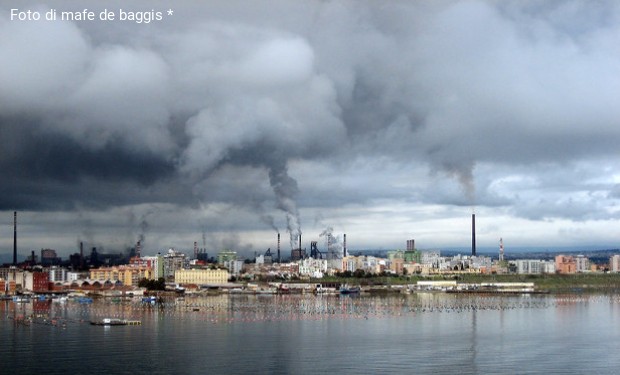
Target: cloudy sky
<point>230,120</point>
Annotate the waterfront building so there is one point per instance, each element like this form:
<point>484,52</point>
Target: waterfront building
<point>397,265</point>
<point>128,275</point>
<point>4,273</point>
<point>582,264</point>
<point>226,256</point>
<point>156,263</point>
<point>174,261</point>
<point>372,265</point>
<point>315,268</point>
<point>201,276</point>
<point>528,266</point>
<point>7,287</point>
<point>431,258</point>
<point>350,263</point>
<point>565,264</point>
<point>234,266</point>
<point>614,263</point>
<point>547,266</point>
<point>74,276</point>
<point>57,274</point>
<point>36,281</point>
<point>13,275</point>
<point>479,262</point>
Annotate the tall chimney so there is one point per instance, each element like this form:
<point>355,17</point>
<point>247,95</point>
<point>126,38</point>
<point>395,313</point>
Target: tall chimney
<point>344,245</point>
<point>279,247</point>
<point>138,249</point>
<point>473,234</point>
<point>195,250</point>
<point>14,238</point>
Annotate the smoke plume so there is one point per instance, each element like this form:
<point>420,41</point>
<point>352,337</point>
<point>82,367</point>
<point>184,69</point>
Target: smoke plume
<point>285,189</point>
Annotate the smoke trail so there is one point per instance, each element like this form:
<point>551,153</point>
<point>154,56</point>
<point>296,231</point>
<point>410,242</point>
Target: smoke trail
<point>333,242</point>
<point>464,173</point>
<point>285,188</point>
<point>144,226</point>
<point>269,220</point>
<point>264,217</point>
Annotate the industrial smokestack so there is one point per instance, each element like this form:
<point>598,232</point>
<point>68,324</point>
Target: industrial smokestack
<point>344,245</point>
<point>138,249</point>
<point>473,234</point>
<point>279,248</point>
<point>14,238</point>
<point>195,250</point>
<point>81,254</point>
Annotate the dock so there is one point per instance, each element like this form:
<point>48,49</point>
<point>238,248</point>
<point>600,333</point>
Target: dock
<point>116,322</point>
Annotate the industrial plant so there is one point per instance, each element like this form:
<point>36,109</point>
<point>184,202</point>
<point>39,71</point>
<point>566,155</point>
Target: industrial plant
<point>124,273</point>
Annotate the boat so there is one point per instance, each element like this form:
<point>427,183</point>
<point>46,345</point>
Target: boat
<point>179,289</point>
<point>85,300</point>
<point>21,299</point>
<point>349,289</point>
<point>283,289</point>
<point>149,300</point>
<point>115,322</point>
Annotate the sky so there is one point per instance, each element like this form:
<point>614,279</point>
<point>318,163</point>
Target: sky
<point>226,122</point>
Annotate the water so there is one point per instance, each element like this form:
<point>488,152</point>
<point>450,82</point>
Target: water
<point>299,334</point>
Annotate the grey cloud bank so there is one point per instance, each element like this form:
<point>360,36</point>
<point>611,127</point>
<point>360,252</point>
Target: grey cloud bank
<point>384,120</point>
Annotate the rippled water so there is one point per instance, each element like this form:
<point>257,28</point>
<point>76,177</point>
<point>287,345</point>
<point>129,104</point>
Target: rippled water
<point>420,333</point>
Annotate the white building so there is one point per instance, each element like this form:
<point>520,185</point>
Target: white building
<point>614,263</point>
<point>174,261</point>
<point>74,276</point>
<point>57,274</point>
<point>260,259</point>
<point>315,268</point>
<point>157,265</point>
<point>547,266</point>
<point>582,264</point>
<point>430,258</point>
<point>534,266</point>
<point>528,266</point>
<point>234,266</point>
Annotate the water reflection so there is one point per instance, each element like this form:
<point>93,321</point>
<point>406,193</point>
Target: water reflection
<point>417,333</point>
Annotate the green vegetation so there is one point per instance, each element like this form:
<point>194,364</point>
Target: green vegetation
<point>159,284</point>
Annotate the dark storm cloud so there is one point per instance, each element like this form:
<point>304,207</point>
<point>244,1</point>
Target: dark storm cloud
<point>48,171</point>
<point>434,101</point>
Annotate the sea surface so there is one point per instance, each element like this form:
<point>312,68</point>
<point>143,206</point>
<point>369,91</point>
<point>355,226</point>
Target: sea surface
<point>420,333</point>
